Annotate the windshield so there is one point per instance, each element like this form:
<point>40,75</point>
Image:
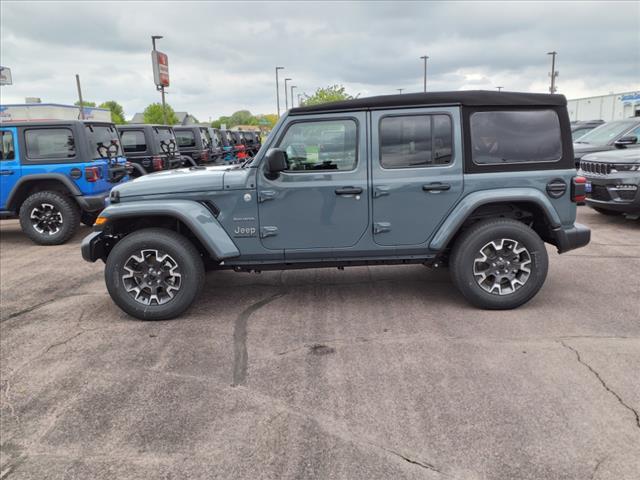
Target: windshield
<point>604,134</point>
<point>103,141</point>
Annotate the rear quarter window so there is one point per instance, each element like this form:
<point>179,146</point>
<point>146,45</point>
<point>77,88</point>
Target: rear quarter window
<point>513,137</point>
<point>133,141</point>
<point>49,143</point>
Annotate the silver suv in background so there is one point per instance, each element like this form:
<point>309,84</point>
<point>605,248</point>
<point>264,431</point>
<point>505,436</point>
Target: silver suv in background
<point>609,136</point>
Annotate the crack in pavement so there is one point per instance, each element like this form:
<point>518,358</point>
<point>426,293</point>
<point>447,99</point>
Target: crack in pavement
<point>595,470</point>
<point>604,384</point>
<point>240,355</point>
<point>420,463</point>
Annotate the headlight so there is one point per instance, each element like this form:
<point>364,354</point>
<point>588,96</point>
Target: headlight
<point>626,167</point>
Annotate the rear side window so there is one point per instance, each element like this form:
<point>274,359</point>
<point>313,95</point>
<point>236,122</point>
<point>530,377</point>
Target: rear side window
<point>7,151</point>
<point>504,137</point>
<point>49,143</point>
<point>133,141</point>
<point>185,138</point>
<point>415,141</point>
<point>103,141</point>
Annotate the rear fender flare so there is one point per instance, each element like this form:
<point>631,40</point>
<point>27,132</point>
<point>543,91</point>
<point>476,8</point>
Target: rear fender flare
<point>27,180</point>
<point>471,202</point>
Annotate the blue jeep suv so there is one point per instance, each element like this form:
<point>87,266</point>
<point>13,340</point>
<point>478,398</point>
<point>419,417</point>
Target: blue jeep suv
<point>56,174</point>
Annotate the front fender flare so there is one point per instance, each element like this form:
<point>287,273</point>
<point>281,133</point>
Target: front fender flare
<point>194,215</point>
<point>476,199</point>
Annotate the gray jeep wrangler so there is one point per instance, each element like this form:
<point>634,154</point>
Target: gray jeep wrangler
<point>476,180</point>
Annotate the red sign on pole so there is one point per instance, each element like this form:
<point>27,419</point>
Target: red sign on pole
<point>160,68</point>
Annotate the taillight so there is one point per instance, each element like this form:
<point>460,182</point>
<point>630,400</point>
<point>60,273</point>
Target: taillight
<point>92,174</point>
<point>158,164</point>
<point>578,189</point>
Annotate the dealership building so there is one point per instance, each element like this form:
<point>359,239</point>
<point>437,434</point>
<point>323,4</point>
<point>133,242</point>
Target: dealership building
<point>614,106</point>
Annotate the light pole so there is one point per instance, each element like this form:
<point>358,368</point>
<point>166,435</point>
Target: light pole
<point>161,88</point>
<point>499,88</point>
<point>278,90</point>
<point>400,90</point>
<point>286,97</point>
<point>292,87</point>
<point>554,74</point>
<point>425,58</point>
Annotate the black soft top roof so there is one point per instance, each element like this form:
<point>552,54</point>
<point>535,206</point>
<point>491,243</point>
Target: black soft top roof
<point>471,98</point>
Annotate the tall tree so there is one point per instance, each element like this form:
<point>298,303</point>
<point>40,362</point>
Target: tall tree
<point>332,93</point>
<point>117,112</point>
<point>153,114</point>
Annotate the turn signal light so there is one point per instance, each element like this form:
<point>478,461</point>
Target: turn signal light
<point>578,189</point>
<point>158,164</point>
<point>100,221</point>
<point>92,174</point>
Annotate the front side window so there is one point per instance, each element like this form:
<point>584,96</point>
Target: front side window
<point>7,150</point>
<point>49,143</point>
<point>504,137</point>
<point>185,138</point>
<point>103,141</point>
<point>415,141</point>
<point>133,141</point>
<point>321,145</point>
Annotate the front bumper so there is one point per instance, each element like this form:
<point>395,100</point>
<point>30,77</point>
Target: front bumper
<point>606,194</point>
<point>92,203</point>
<point>92,247</point>
<point>571,238</point>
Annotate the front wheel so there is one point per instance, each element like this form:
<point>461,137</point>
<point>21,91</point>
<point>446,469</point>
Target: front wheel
<point>499,264</point>
<point>154,274</point>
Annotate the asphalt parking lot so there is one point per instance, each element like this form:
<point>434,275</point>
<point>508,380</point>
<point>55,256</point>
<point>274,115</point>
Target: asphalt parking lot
<point>372,373</point>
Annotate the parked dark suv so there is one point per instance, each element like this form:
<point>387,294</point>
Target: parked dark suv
<point>613,181</point>
<point>475,180</point>
<point>608,136</point>
<point>194,143</point>
<point>149,148</point>
<point>581,127</point>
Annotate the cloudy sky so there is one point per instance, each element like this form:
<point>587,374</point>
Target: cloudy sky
<point>222,55</point>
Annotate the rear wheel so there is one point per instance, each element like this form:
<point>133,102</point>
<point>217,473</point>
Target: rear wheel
<point>154,274</point>
<point>499,264</point>
<point>49,217</point>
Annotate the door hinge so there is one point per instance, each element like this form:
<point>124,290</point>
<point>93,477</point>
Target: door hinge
<point>381,227</point>
<point>265,195</point>
<point>268,231</point>
<point>380,191</point>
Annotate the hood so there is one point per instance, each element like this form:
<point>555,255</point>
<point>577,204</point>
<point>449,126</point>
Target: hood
<point>181,180</point>
<point>581,149</point>
<point>621,155</point>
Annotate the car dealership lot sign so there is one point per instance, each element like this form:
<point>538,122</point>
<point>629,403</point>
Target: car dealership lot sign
<point>160,68</point>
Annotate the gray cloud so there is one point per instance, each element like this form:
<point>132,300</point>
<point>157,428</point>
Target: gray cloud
<point>222,55</point>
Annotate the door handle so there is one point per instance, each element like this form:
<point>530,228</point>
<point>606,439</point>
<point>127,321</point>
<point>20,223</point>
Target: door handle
<point>436,187</point>
<point>348,191</point>
<point>6,172</point>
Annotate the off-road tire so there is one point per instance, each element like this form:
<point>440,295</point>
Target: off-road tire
<point>59,203</point>
<point>88,218</point>
<point>180,250</point>
<point>467,250</point>
<point>608,213</point>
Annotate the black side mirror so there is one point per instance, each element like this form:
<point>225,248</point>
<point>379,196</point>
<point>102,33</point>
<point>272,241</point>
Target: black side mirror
<point>276,161</point>
<point>626,140</point>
